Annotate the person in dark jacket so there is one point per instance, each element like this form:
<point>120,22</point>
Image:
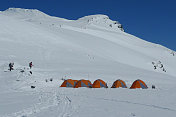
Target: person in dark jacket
<point>11,66</point>
<point>30,65</point>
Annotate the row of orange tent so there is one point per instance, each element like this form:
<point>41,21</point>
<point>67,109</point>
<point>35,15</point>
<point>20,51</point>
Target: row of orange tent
<point>101,84</point>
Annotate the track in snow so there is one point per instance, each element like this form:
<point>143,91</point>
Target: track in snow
<point>60,103</point>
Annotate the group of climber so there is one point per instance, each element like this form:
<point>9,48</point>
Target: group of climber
<point>159,65</point>
<point>12,64</point>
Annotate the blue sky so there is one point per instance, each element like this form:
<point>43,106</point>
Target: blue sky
<point>151,20</point>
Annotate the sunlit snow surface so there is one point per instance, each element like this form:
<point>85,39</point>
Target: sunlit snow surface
<point>91,47</point>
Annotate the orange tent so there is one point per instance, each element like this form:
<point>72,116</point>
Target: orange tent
<point>69,83</point>
<point>83,83</point>
<point>99,84</point>
<point>119,83</point>
<point>138,84</point>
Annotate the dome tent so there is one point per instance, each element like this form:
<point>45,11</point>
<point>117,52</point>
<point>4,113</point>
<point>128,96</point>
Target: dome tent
<point>69,83</point>
<point>119,83</point>
<point>83,83</point>
<point>138,84</point>
<point>99,84</point>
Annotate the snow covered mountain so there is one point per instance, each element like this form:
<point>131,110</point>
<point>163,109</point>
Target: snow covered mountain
<point>91,47</point>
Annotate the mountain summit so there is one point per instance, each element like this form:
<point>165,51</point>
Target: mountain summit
<point>24,12</point>
<point>101,20</point>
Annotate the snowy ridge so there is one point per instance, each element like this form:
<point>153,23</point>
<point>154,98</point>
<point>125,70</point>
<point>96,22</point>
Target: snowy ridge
<point>79,38</point>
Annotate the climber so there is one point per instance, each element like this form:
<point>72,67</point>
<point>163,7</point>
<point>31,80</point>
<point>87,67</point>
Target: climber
<point>30,65</point>
<point>154,67</point>
<point>11,66</point>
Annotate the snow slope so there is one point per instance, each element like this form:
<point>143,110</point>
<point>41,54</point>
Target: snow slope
<point>91,47</point>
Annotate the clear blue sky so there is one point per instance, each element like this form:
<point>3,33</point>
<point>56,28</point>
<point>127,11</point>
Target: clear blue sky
<point>151,20</point>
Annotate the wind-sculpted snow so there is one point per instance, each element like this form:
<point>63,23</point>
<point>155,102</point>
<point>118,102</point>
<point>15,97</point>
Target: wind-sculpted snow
<point>92,47</point>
